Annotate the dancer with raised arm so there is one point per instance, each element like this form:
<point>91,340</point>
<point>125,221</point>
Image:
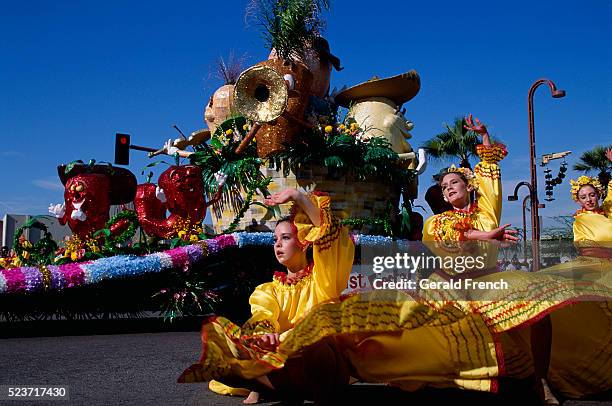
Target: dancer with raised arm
<point>246,356</point>
<point>472,220</point>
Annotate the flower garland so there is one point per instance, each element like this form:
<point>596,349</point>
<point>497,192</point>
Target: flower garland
<point>467,173</point>
<point>59,277</point>
<point>285,279</point>
<point>585,181</point>
<point>452,224</point>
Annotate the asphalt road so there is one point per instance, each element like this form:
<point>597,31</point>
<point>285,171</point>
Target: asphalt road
<point>141,369</point>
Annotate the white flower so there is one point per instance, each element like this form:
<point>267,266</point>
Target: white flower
<point>159,193</point>
<point>220,177</point>
<point>58,210</point>
<point>170,148</point>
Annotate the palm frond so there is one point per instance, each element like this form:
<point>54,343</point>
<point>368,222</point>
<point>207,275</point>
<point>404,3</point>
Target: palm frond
<point>455,142</point>
<point>288,26</point>
<point>594,160</point>
<point>582,167</point>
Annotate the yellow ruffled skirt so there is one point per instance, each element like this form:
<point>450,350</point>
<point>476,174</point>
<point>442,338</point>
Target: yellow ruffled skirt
<point>411,342</point>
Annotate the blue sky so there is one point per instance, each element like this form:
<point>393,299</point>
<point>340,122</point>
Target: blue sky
<point>74,73</point>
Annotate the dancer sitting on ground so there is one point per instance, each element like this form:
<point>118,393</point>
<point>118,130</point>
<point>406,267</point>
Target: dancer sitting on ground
<point>276,306</point>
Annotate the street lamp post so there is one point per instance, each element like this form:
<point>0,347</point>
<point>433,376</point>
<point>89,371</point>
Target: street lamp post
<point>533,186</point>
<point>525,228</point>
<point>535,252</point>
<point>541,332</point>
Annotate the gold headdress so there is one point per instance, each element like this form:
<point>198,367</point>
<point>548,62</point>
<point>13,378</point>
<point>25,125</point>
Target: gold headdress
<point>467,174</point>
<point>584,181</point>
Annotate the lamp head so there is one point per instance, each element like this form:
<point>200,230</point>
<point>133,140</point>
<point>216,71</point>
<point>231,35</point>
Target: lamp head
<point>557,94</point>
<point>512,198</point>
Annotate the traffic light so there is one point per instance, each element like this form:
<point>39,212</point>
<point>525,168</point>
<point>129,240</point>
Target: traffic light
<point>122,149</point>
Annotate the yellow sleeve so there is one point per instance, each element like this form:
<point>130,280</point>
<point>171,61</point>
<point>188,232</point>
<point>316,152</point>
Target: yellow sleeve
<point>428,229</point>
<point>607,203</point>
<point>592,229</point>
<point>582,230</point>
<point>333,249</point>
<point>264,312</point>
<point>489,185</point>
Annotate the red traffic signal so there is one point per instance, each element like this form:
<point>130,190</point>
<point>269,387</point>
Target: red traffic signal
<point>122,149</point>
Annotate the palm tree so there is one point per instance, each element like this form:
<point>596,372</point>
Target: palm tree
<point>595,160</point>
<point>455,142</point>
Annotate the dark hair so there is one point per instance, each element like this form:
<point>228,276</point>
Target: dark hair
<point>282,220</point>
<point>435,199</point>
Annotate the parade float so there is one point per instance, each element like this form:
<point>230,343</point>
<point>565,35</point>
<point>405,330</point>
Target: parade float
<point>270,126</point>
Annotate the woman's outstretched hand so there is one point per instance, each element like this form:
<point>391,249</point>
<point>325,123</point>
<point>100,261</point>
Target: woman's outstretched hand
<point>609,154</point>
<point>473,124</point>
<point>287,195</point>
<point>294,195</point>
<point>502,234</point>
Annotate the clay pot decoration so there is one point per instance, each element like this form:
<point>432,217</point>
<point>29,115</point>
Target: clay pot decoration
<point>319,61</point>
<point>89,192</point>
<point>180,191</point>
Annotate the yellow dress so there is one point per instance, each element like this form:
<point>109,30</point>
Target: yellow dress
<point>592,229</point>
<point>483,215</point>
<point>412,341</point>
<point>277,306</point>
<point>443,234</point>
<point>585,324</point>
